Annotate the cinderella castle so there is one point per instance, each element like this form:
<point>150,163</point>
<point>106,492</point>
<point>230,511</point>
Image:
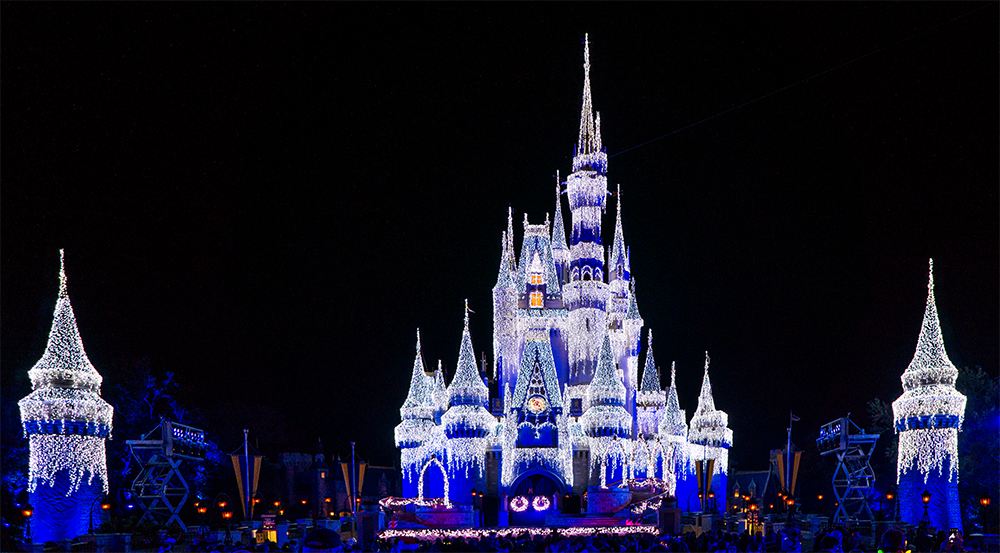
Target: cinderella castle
<point>564,411</point>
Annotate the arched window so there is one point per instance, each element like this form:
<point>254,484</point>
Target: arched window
<point>535,300</point>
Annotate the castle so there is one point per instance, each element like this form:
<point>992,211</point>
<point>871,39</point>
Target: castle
<point>567,412</point>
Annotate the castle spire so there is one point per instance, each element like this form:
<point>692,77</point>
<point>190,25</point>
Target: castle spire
<point>418,399</point>
<point>587,143</point>
<point>930,353</point>
<point>467,386</point>
<point>706,403</point>
<point>559,228</point>
<point>62,274</point>
<point>618,253</point>
<point>650,377</point>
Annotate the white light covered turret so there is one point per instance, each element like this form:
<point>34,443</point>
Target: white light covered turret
<point>417,411</point>
<point>64,417</point>
<point>709,435</point>
<point>467,422</point>
<point>651,398</point>
<point>929,414</point>
<point>606,422</point>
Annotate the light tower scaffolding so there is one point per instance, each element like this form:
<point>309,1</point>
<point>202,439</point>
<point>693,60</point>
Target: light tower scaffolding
<point>853,478</point>
<point>160,488</point>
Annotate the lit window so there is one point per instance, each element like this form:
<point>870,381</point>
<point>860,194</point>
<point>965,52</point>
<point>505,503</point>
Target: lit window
<point>536,279</point>
<point>536,299</point>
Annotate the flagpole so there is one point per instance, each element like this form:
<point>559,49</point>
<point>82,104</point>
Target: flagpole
<point>246,455</point>
<point>788,456</point>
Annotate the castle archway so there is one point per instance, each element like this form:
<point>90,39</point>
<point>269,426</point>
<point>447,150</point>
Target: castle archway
<point>530,498</point>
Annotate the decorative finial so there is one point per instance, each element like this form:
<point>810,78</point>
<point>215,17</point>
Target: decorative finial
<point>467,311</point>
<point>418,339</point>
<point>673,374</point>
<point>930,278</point>
<point>619,203</point>
<point>62,274</point>
<point>649,339</point>
<point>586,52</point>
<point>558,185</point>
<point>707,359</point>
<point>525,221</point>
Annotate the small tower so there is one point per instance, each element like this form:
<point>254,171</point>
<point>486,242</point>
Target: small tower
<point>709,435</point>
<point>66,422</point>
<point>928,417</point>
<point>318,473</point>
<point>674,439</point>
<point>652,399</point>
<point>416,430</point>
<point>606,423</point>
<point>466,422</point>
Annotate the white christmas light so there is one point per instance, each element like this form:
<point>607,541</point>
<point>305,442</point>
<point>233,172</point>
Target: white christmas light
<point>579,339</point>
<point>64,417</point>
<point>541,503</point>
<point>929,414</point>
<point>519,504</point>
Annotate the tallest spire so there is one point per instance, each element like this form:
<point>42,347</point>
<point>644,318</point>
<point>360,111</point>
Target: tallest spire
<point>589,150</point>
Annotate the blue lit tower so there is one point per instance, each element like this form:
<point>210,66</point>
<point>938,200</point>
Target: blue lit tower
<point>605,422</point>
<point>467,424</point>
<point>709,436</point>
<point>674,439</point>
<point>928,417</point>
<point>650,408</point>
<point>66,423</point>
<point>415,433</point>
<point>505,299</point>
<point>586,294</point>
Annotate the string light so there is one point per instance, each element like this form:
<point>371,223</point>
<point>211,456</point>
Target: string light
<point>541,503</point>
<point>64,417</point>
<point>708,436</point>
<point>929,414</point>
<point>519,504</point>
<point>579,342</point>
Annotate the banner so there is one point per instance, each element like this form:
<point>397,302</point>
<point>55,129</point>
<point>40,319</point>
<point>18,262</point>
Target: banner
<point>240,466</point>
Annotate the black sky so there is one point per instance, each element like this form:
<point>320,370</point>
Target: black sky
<point>268,199</point>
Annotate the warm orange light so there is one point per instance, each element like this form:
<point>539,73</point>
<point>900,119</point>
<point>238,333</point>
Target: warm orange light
<point>327,500</point>
<point>820,497</point>
<point>227,514</point>
<point>771,506</point>
<point>256,500</point>
<point>281,512</point>
<point>27,512</point>
<point>276,503</point>
<point>736,494</point>
<point>222,504</point>
<point>926,496</point>
<point>985,502</point>
<point>105,505</point>
<point>202,510</point>
<point>711,495</point>
<point>197,504</point>
<point>303,501</point>
<point>791,501</point>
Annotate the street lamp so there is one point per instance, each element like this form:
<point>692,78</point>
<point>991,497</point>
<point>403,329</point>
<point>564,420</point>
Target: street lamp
<point>26,512</point>
<point>926,519</point>
<point>105,505</point>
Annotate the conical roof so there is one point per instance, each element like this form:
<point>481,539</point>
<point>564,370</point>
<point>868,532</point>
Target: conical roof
<point>558,226</point>
<point>64,363</point>
<point>674,422</point>
<point>467,386</point>
<point>606,386</point>
<point>618,253</point>
<point>709,426</point>
<point>650,376</point>
<point>419,401</point>
<point>930,361</point>
<point>633,306</point>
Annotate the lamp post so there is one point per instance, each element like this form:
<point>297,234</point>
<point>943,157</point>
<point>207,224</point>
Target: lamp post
<point>926,519</point>
<point>26,512</point>
<point>105,506</point>
<point>790,502</point>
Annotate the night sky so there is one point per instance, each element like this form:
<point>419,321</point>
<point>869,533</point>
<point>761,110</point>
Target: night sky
<point>268,199</point>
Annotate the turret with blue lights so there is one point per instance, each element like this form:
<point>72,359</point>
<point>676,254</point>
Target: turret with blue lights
<point>928,417</point>
<point>66,422</point>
